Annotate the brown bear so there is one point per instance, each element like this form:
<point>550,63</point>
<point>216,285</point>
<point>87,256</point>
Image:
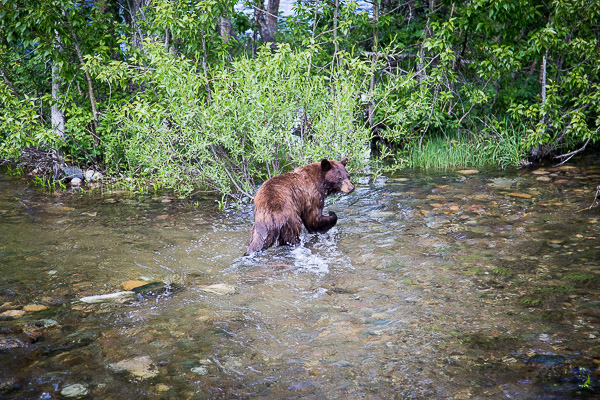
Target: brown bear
<point>285,202</point>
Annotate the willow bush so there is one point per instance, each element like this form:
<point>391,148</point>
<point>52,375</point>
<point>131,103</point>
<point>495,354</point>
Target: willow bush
<point>235,126</point>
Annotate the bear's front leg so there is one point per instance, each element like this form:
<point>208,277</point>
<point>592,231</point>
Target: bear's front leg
<point>317,222</point>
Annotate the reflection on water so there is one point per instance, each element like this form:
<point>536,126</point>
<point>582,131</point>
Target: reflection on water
<point>452,285</point>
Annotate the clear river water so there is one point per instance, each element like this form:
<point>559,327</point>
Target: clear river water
<point>433,285</point>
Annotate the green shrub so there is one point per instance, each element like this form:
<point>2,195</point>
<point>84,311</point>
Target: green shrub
<point>20,124</point>
<point>261,117</point>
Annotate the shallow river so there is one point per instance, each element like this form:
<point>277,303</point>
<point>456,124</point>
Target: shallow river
<point>433,285</point>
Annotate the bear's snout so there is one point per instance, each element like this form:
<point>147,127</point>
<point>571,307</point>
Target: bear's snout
<point>347,187</point>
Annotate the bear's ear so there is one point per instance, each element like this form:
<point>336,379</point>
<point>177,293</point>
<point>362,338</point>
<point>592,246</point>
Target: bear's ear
<point>325,165</point>
<point>344,161</point>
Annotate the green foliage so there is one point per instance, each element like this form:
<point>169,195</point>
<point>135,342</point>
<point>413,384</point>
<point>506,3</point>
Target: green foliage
<point>262,117</point>
<point>20,124</point>
<point>461,84</point>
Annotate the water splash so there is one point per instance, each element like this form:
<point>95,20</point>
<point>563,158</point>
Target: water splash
<point>307,261</point>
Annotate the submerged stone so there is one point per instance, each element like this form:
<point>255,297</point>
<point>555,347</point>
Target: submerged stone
<point>300,386</point>
<point>161,387</point>
<point>152,289</point>
<point>139,367</point>
<point>219,288</point>
<point>11,343</point>
<point>540,172</point>
<point>519,195</point>
<point>12,314</point>
<point>8,385</point>
<point>74,391</point>
<point>118,297</point>
<point>35,307</point>
<point>546,359</point>
<point>46,323</point>
<point>504,183</point>
<point>130,285</point>
<point>74,340</point>
<point>468,171</point>
<point>202,370</point>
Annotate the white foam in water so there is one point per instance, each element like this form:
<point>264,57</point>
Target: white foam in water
<point>318,258</point>
<point>306,261</point>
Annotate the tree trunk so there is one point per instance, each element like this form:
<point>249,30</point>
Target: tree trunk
<point>537,152</point>
<point>56,114</point>
<point>204,66</point>
<point>132,16</point>
<point>58,118</point>
<point>171,43</point>
<point>335,27</point>
<point>225,28</point>
<point>374,58</point>
<point>88,78</point>
<point>421,73</point>
<point>8,82</point>
<point>267,20</point>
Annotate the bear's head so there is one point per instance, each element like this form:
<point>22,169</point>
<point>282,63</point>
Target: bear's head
<point>337,179</point>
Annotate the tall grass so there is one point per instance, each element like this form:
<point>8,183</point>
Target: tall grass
<point>498,145</point>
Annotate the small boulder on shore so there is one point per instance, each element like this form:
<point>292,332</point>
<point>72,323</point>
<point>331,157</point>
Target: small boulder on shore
<point>72,172</point>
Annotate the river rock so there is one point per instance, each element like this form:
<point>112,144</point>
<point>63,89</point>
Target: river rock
<point>34,307</point>
<point>46,323</point>
<point>202,370</point>
<point>468,171</point>
<point>161,387</point>
<point>540,172</point>
<point>76,182</point>
<point>130,285</point>
<point>92,176</point>
<point>504,183</point>
<point>139,367</point>
<point>8,385</point>
<point>519,195</point>
<point>118,297</point>
<point>546,359</point>
<point>12,314</point>
<point>219,288</point>
<point>74,391</point>
<point>567,168</point>
<point>153,289</point>
<point>75,340</point>
<point>11,343</point>
<point>72,173</point>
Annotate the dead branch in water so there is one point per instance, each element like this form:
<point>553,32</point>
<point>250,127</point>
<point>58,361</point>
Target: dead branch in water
<point>595,202</point>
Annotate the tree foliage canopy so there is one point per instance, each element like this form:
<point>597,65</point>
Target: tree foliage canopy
<point>183,93</point>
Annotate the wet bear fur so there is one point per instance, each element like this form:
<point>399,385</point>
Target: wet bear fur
<point>286,202</point>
